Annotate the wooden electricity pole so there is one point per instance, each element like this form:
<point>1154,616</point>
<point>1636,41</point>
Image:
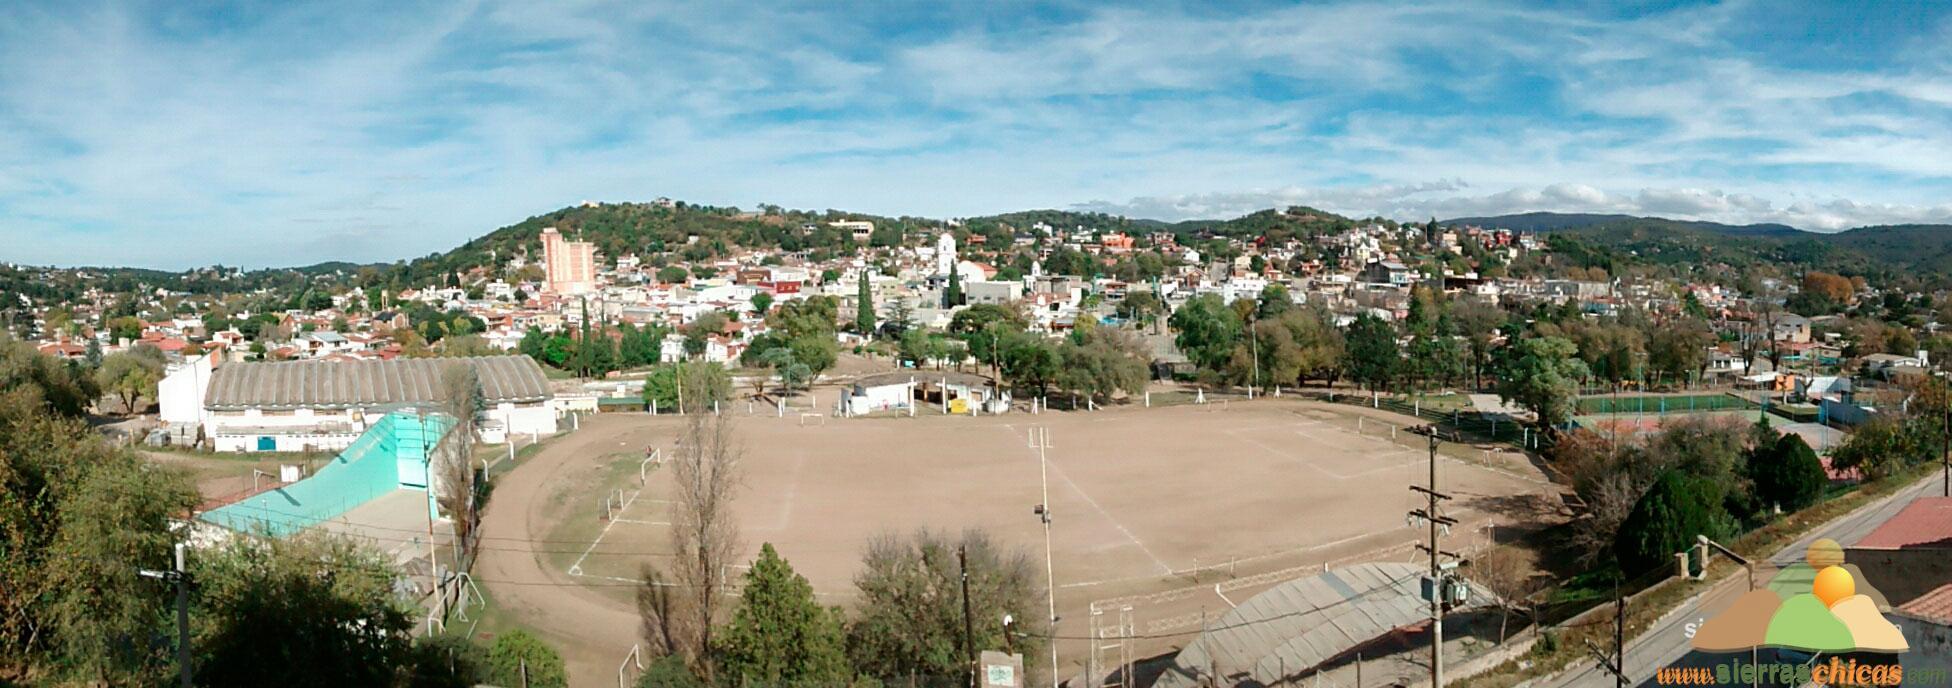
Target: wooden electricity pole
<point>1436,587</point>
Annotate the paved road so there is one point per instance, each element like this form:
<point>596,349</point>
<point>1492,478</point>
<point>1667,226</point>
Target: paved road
<point>1666,644</point>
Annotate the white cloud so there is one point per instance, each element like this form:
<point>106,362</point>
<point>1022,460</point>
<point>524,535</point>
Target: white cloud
<point>1435,199</point>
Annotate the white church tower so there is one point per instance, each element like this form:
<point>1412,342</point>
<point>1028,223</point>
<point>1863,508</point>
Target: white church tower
<point>945,253</point>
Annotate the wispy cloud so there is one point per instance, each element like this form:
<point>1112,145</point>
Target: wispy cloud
<point>284,133</point>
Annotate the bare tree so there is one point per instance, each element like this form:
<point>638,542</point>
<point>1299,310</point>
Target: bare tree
<point>463,402</point>
<point>1507,573</point>
<point>678,605</point>
<point>1768,312</point>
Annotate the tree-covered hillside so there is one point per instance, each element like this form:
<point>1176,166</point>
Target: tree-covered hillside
<point>1916,255</point>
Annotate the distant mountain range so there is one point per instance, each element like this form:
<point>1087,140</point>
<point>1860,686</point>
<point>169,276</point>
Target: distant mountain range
<point>1916,253</point>
<point>1548,222</point>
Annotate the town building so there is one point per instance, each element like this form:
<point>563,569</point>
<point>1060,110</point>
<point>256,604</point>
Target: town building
<point>313,406</point>
<point>570,266</point>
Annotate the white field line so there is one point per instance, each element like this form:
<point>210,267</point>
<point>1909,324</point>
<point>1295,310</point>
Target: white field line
<point>1223,596</point>
<point>1168,570</point>
<point>576,569</point>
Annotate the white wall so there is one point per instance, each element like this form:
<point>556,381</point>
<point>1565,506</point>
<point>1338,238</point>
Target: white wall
<point>181,392</point>
<point>881,398</point>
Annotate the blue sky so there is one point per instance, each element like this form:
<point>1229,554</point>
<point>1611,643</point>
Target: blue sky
<point>175,134</point>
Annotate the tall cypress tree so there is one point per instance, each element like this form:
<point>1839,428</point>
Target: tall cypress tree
<point>952,295</point>
<point>864,306</point>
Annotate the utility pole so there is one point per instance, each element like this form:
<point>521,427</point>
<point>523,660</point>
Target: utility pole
<point>1947,456</point>
<point>181,579</point>
<point>1041,437</point>
<point>968,623</point>
<point>1435,584</point>
<point>1618,664</point>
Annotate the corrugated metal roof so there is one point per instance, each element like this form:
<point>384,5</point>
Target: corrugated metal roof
<point>1303,623</point>
<point>347,384</point>
<point>1926,522</point>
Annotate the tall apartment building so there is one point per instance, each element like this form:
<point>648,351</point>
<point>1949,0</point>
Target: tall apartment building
<point>570,266</point>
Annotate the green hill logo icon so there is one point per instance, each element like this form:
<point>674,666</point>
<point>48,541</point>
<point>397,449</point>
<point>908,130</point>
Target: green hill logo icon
<point>1820,605</point>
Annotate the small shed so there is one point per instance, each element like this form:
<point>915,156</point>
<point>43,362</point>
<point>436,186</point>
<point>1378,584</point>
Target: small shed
<point>944,390</point>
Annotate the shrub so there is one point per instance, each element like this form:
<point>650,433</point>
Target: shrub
<point>517,651</point>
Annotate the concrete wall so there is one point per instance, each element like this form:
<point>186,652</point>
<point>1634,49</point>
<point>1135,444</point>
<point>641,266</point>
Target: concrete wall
<point>1931,646</point>
<point>1903,574</point>
<point>880,398</point>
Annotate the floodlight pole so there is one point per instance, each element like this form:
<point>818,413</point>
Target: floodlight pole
<point>1041,436</point>
<point>968,623</point>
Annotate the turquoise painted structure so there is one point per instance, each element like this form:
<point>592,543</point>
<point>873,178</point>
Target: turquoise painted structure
<point>392,454</point>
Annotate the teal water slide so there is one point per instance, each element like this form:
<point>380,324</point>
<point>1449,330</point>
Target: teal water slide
<point>391,455</point>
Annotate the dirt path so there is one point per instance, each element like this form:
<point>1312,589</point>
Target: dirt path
<point>593,633</point>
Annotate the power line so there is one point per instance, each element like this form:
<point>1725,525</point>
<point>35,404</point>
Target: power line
<point>1389,586</point>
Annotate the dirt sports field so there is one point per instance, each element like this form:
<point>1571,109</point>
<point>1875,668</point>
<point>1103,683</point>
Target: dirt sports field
<point>1162,515</point>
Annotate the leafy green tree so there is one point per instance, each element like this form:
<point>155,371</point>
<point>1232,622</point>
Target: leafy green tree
<point>780,635</point>
<point>672,274</point>
<point>910,615</point>
<point>1666,520</point>
<point>131,375</point>
<point>791,372</point>
<point>1274,301</point>
<point>1371,357</point>
<point>1479,323</point>
<point>1029,362</point>
<point>1880,448</point>
<point>703,383</point>
<point>1141,306</point>
<point>641,346</point>
<point>1679,350</point>
<point>110,521</point>
<point>916,348</point>
<point>1207,330</point>
<point>444,661</point>
<point>125,328</point>
<point>1099,361</point>
<point>979,317</point>
<point>321,602</point>
<point>1542,374</point>
<point>43,381</point>
<point>1787,473</point>
<point>760,302</point>
<point>813,315</point>
<point>517,653</point>
<point>668,671</point>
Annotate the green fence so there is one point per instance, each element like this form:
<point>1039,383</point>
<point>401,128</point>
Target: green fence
<point>377,463</point>
<point>1469,425</point>
<point>1648,403</point>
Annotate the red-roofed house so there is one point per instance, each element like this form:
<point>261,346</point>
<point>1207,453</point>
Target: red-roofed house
<point>64,349</point>
<point>1911,554</point>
